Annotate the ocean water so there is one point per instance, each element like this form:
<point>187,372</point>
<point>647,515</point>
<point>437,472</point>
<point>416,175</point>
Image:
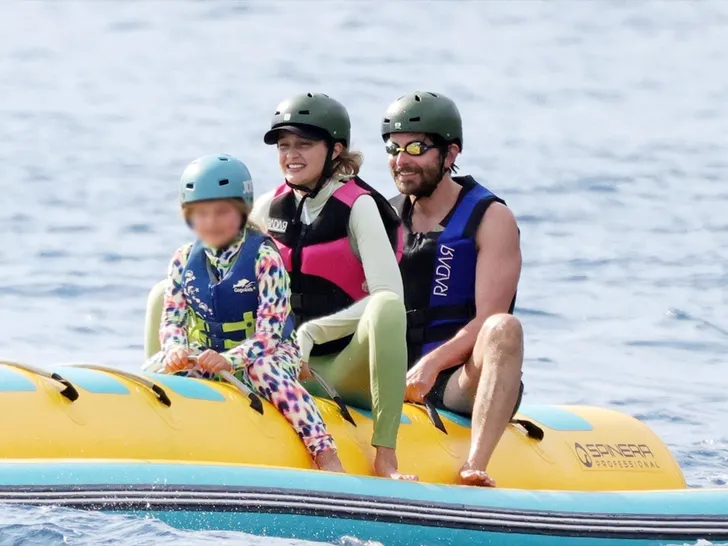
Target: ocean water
<point>603,124</point>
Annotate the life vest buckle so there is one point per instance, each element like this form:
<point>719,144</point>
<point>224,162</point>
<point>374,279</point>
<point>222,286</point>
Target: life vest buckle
<point>417,318</point>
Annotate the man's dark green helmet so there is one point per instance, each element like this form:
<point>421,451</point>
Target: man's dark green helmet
<point>311,115</point>
<point>424,112</point>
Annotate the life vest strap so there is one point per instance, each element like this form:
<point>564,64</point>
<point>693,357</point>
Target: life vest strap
<point>423,317</point>
<point>423,327</point>
<point>429,334</point>
<point>215,344</point>
<point>315,304</point>
<point>210,334</point>
<point>247,325</point>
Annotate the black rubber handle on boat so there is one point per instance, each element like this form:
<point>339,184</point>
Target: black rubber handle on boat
<point>434,416</point>
<point>161,395</point>
<point>255,402</point>
<point>143,381</point>
<point>331,392</point>
<point>70,391</point>
<point>533,430</point>
<point>344,410</point>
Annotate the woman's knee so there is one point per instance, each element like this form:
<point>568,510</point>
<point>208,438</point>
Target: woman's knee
<point>387,301</point>
<point>386,308</point>
<point>386,318</point>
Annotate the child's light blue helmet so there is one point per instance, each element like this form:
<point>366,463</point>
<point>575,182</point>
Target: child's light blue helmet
<point>216,176</point>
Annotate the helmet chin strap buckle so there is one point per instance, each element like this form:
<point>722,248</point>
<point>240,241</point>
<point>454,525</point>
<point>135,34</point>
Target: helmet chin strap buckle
<point>299,187</point>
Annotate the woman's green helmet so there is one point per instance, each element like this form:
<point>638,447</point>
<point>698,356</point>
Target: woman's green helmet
<point>424,112</point>
<point>311,110</point>
<point>216,176</point>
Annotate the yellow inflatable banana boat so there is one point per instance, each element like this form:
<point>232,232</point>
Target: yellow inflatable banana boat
<point>93,412</point>
<point>200,454</point>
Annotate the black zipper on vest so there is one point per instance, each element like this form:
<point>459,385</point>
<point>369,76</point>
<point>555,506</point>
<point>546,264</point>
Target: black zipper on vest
<point>298,235</point>
<point>296,259</point>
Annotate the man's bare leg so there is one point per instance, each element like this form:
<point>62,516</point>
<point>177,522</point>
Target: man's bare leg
<point>488,386</point>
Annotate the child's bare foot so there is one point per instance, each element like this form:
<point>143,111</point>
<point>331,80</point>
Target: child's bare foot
<point>471,476</point>
<point>329,460</point>
<point>385,465</point>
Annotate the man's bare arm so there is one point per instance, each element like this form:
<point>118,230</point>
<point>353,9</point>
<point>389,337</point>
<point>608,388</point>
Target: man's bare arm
<point>497,273</point>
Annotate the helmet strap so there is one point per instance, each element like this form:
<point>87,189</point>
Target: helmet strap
<point>442,146</point>
<point>326,173</point>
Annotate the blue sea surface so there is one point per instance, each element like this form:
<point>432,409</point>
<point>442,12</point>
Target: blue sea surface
<point>603,124</point>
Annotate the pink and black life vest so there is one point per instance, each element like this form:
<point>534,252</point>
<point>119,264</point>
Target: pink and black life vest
<point>326,275</point>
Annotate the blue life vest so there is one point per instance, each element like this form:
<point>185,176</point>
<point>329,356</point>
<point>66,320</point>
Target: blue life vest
<point>224,310</point>
<point>438,269</point>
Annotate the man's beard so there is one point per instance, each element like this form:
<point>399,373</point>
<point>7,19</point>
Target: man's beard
<point>422,185</point>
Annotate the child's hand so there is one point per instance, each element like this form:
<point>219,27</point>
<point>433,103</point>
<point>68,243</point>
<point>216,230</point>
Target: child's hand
<point>212,361</point>
<point>176,360</point>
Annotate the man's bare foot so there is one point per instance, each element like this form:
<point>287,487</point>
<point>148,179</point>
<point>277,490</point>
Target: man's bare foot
<point>385,465</point>
<point>471,476</point>
<point>329,460</point>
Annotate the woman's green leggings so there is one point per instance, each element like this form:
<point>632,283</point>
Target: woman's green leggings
<point>370,371</point>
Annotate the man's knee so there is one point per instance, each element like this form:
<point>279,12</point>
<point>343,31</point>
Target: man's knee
<point>502,333</point>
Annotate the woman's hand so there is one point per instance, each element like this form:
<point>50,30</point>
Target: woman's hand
<point>176,360</point>
<point>214,362</point>
<point>305,372</point>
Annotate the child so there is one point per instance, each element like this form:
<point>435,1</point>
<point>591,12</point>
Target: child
<point>227,301</point>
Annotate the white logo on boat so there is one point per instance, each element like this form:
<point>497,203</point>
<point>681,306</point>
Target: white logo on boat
<point>279,226</point>
<point>244,285</point>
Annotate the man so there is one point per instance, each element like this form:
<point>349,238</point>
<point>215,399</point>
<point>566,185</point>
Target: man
<point>461,265</point>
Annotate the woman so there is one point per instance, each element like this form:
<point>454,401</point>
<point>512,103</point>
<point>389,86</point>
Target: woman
<point>339,238</point>
<point>227,301</point>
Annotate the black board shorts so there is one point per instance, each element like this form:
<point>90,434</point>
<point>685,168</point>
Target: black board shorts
<point>438,392</point>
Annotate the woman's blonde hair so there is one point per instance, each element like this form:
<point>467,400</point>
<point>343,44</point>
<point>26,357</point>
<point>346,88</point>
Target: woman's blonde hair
<point>243,207</point>
<point>347,163</point>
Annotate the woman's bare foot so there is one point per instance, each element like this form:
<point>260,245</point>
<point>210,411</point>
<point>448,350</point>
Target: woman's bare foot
<point>471,476</point>
<point>329,460</point>
<point>385,465</point>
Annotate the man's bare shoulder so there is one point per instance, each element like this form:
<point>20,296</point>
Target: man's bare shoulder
<point>499,223</point>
